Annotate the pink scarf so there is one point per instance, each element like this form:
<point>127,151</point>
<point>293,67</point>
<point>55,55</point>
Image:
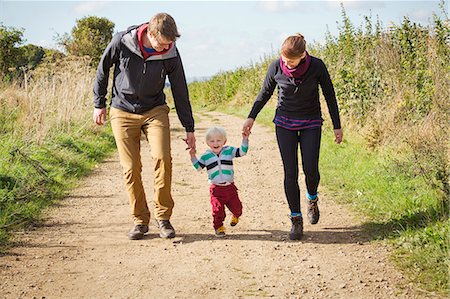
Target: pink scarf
<point>298,71</point>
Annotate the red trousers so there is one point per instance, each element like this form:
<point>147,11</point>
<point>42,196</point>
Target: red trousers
<point>222,196</point>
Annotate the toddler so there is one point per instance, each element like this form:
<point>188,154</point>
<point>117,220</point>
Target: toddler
<point>218,160</point>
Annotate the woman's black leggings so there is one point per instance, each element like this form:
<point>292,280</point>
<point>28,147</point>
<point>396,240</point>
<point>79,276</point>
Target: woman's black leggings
<point>309,140</point>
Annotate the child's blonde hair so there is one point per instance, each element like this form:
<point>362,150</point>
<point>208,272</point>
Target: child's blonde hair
<point>214,131</point>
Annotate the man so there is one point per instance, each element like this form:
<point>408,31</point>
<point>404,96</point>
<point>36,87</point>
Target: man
<point>142,57</point>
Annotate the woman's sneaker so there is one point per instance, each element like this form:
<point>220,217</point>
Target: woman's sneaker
<point>234,220</point>
<point>313,211</point>
<point>297,228</point>
<point>220,232</point>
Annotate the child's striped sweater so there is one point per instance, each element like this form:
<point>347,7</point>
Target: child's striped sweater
<point>220,167</point>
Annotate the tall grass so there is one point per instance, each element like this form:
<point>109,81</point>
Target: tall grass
<point>47,140</point>
<point>50,99</point>
<point>393,88</point>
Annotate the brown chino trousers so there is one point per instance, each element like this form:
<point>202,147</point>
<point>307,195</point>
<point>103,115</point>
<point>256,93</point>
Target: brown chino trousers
<point>127,128</point>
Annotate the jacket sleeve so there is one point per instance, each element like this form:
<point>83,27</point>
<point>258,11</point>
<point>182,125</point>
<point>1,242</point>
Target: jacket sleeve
<point>241,151</point>
<point>198,164</point>
<point>330,96</point>
<point>180,92</point>
<point>109,58</point>
<point>266,91</point>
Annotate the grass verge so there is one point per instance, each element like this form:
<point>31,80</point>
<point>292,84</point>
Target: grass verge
<point>33,176</point>
<point>398,207</point>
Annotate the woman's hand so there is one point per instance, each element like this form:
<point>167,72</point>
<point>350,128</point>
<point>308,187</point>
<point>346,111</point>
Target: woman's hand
<point>247,127</point>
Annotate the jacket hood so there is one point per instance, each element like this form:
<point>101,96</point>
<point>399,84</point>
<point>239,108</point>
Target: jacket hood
<point>130,40</point>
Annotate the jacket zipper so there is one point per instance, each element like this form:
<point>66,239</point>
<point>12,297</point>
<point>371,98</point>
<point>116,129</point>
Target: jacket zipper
<point>220,166</point>
<point>144,69</point>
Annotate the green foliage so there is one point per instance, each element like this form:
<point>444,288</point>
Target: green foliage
<point>355,67</point>
<point>442,32</point>
<point>377,185</point>
<point>52,55</point>
<point>8,118</point>
<point>16,60</point>
<point>423,254</point>
<point>10,54</point>
<point>89,37</point>
<point>409,41</point>
<point>239,87</point>
<point>31,56</point>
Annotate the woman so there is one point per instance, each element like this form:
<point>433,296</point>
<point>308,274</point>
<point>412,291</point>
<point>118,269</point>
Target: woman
<point>298,121</point>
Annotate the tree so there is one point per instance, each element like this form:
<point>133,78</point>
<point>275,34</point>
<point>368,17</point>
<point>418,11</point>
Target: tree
<point>90,36</point>
<point>53,55</point>
<point>32,55</point>
<point>10,53</point>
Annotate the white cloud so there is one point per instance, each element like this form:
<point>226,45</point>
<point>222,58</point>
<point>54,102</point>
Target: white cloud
<point>421,15</point>
<point>269,6</point>
<point>89,7</point>
<point>279,6</point>
<point>201,47</point>
<point>46,44</point>
<point>355,4</point>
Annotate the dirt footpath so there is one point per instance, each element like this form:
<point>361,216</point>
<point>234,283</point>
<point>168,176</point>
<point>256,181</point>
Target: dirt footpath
<point>82,251</point>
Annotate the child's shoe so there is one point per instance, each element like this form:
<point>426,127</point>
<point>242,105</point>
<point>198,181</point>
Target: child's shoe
<point>220,232</point>
<point>234,220</point>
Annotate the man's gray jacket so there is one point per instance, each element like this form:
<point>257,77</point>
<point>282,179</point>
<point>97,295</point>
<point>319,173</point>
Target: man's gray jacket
<point>137,83</point>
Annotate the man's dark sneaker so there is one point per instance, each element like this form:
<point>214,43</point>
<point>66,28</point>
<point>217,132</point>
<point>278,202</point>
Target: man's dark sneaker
<point>297,228</point>
<point>166,229</point>
<point>138,232</point>
<point>313,211</point>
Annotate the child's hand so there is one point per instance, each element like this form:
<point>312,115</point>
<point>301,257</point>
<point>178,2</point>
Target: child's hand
<point>245,134</point>
<point>192,152</point>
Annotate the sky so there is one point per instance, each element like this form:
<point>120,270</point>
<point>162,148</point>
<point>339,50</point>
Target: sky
<point>215,35</point>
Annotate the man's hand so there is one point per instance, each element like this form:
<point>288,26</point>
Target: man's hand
<point>99,116</point>
<point>338,135</point>
<point>190,140</point>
